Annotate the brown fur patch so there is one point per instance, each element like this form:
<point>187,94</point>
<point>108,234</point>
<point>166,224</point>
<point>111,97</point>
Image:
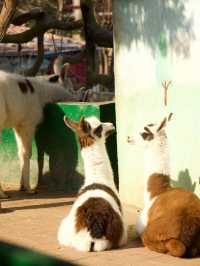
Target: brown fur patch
<point>158,183</point>
<point>30,86</point>
<point>82,129</point>
<point>86,140</point>
<point>175,248</point>
<point>175,214</point>
<point>104,188</point>
<point>85,126</point>
<point>23,86</point>
<point>100,219</point>
<point>147,136</point>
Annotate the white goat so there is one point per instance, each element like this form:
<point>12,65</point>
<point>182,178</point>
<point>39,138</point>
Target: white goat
<point>21,107</point>
<point>95,222</point>
<point>170,220</point>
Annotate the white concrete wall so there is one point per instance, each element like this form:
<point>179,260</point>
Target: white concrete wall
<point>157,40</point>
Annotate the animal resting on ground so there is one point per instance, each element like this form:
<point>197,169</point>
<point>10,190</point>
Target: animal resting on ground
<point>95,222</point>
<point>170,220</point>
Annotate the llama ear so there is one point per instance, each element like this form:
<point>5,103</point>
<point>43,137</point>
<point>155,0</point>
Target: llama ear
<point>162,124</point>
<point>85,126</point>
<point>72,124</point>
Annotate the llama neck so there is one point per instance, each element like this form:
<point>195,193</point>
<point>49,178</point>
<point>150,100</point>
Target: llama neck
<point>97,164</point>
<point>156,162</point>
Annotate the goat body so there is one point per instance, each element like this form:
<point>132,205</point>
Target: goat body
<point>21,107</point>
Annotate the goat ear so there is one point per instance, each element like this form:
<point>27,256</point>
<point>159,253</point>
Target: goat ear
<point>72,124</point>
<point>54,78</point>
<point>85,126</point>
<point>66,66</point>
<point>162,124</point>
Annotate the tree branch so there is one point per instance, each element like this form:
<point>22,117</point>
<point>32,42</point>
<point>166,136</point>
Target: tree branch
<point>23,37</point>
<point>101,36</point>
<point>6,15</point>
<point>36,66</point>
<point>95,35</point>
<point>42,24</point>
<point>35,13</point>
<point>62,25</point>
<point>88,19</point>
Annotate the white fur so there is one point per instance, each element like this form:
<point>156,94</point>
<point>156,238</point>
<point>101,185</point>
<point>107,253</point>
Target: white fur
<point>23,112</point>
<point>156,161</point>
<point>97,170</point>
<point>96,161</point>
<point>97,166</point>
<point>142,219</point>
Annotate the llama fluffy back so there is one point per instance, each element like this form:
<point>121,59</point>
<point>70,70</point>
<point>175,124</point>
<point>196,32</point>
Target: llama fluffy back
<point>95,221</point>
<point>81,230</point>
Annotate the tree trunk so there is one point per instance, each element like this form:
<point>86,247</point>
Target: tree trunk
<point>6,15</point>
<point>37,64</point>
<point>77,11</point>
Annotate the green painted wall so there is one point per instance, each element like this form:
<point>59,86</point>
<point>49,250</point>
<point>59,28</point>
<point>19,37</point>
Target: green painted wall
<point>155,41</point>
<point>57,144</point>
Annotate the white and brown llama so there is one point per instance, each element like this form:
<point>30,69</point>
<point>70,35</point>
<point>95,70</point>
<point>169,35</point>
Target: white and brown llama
<point>170,220</point>
<point>21,108</point>
<point>95,222</point>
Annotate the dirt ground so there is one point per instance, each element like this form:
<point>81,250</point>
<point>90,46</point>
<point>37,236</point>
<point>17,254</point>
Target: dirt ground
<point>33,221</point>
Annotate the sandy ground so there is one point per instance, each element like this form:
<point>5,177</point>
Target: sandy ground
<point>32,221</point>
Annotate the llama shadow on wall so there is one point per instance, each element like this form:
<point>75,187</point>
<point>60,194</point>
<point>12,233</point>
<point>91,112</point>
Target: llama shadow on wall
<point>184,181</point>
<point>57,141</point>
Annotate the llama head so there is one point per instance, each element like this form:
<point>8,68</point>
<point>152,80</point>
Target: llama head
<point>150,133</point>
<point>90,129</point>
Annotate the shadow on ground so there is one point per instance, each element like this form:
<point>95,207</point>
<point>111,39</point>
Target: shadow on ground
<point>59,143</point>
<point>11,254</point>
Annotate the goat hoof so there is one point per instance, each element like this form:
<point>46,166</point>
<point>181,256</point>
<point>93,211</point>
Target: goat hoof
<point>3,195</point>
<point>32,191</point>
<point>28,191</point>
